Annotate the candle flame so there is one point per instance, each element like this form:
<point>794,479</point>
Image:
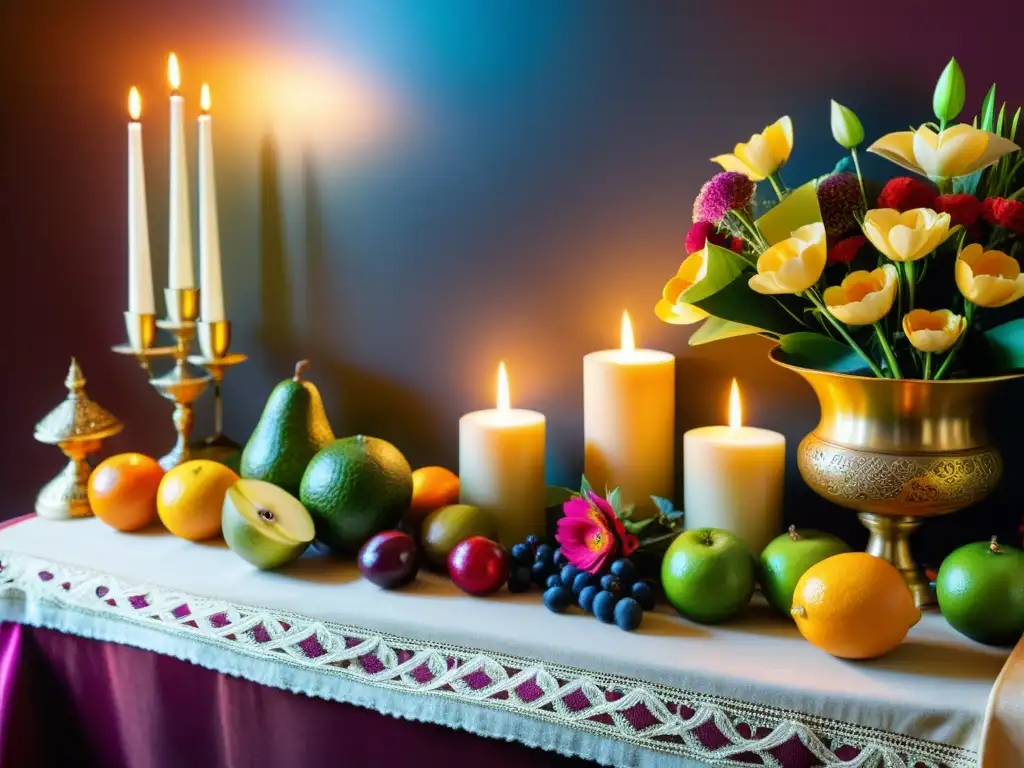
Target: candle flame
<point>735,407</point>
<point>204,98</point>
<point>504,400</point>
<point>134,104</point>
<point>628,342</point>
<point>173,72</point>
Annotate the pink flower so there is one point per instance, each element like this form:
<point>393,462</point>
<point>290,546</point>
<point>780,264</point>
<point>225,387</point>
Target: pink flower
<point>724,192</point>
<point>590,533</point>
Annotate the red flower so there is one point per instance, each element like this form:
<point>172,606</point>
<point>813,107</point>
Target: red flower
<point>705,232</point>
<point>962,209</point>
<point>904,193</point>
<point>845,250</point>
<point>1001,212</point>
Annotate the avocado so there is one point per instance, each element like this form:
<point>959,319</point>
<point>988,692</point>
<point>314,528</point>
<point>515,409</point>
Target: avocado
<point>355,488</point>
<point>292,428</point>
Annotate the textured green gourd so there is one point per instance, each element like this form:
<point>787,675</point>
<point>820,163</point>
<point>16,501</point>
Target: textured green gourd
<point>292,428</point>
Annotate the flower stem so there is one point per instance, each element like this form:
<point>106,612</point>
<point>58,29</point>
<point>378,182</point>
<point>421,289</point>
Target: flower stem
<point>860,178</point>
<point>927,366</point>
<point>894,366</point>
<point>968,316</point>
<point>776,187</point>
<point>810,294</point>
<point>910,272</point>
<point>758,242</point>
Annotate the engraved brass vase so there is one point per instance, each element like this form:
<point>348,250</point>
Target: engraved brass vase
<point>898,451</point>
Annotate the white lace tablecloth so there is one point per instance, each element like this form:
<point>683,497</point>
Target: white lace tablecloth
<point>673,693</point>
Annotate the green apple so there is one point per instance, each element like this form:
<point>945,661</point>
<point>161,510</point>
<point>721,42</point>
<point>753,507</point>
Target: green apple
<point>708,575</point>
<point>980,588</point>
<point>787,558</point>
<point>265,524</point>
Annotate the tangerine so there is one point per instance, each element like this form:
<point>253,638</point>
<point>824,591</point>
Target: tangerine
<point>122,491</point>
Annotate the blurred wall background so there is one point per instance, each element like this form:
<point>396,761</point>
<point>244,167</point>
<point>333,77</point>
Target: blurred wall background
<point>410,191</point>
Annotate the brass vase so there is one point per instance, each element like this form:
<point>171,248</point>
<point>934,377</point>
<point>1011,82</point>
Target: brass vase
<point>898,451</point>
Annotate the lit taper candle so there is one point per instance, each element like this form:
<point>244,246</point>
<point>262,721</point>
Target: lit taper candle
<point>211,294</point>
<point>140,266</point>
<point>501,465</point>
<point>629,401</point>
<point>181,273</point>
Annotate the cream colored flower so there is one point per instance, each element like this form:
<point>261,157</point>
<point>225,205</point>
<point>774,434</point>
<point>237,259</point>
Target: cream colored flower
<point>863,297</point>
<point>691,271</point>
<point>933,331</point>
<point>957,151</point>
<point>794,264</point>
<point>763,154</point>
<point>907,236</point>
<point>988,278</point>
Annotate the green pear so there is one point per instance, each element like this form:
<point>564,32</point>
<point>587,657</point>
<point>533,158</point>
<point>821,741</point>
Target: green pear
<point>291,430</point>
<point>264,524</point>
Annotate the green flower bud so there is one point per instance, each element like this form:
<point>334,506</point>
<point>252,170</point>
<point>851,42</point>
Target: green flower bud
<point>950,93</point>
<point>846,127</point>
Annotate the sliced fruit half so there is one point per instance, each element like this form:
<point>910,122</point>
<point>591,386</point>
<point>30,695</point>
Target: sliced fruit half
<point>264,524</point>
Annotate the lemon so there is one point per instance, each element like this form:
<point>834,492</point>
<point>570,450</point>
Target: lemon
<point>854,606</point>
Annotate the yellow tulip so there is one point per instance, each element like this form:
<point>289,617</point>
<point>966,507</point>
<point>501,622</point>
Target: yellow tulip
<point>988,278</point>
<point>794,264</point>
<point>907,236</point>
<point>863,297</point>
<point>957,151</point>
<point>933,331</point>
<point>763,154</point>
<point>691,271</point>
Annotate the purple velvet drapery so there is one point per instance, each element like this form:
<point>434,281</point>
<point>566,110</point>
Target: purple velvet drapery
<point>69,701</point>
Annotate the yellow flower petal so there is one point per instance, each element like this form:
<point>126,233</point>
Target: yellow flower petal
<point>863,297</point>
<point>899,148</point>
<point>779,136</point>
<point>679,314</point>
<point>733,163</point>
<point>933,331</point>
<point>988,278</point>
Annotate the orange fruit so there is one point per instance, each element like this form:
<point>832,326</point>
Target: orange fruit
<point>854,606</point>
<point>191,497</point>
<point>122,491</point>
<point>433,488</point>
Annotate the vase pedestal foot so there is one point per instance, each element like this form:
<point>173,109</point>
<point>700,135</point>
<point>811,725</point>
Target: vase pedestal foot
<point>890,540</point>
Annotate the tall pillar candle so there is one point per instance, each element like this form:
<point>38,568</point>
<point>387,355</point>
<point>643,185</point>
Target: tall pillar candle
<point>140,266</point>
<point>733,479</point>
<point>211,294</point>
<point>181,273</point>
<point>629,421</point>
<point>501,465</point>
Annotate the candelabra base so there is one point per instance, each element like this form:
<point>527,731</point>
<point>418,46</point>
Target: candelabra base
<point>182,387</point>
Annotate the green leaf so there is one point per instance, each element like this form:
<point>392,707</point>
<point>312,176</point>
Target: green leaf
<point>724,266</point>
<point>1013,125</point>
<point>950,92</point>
<point>556,496</point>
<point>717,329</point>
<point>1006,346</point>
<point>988,109</point>
<point>627,512</point>
<point>635,526</point>
<point>665,506</point>
<point>737,303</point>
<point>615,500</point>
<point>798,209</point>
<point>813,350</point>
<point>585,487</point>
<point>999,121</point>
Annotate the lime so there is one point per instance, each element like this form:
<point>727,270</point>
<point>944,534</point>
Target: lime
<point>980,587</point>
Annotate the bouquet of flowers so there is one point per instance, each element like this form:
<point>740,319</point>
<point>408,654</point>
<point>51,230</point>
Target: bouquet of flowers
<point>918,278</point>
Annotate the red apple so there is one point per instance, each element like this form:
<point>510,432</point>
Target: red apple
<point>478,566</point>
<point>389,559</point>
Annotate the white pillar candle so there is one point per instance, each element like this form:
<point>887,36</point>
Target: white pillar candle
<point>629,421</point>
<point>179,243</point>
<point>140,266</point>
<point>211,294</point>
<point>733,478</point>
<point>501,465</point>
